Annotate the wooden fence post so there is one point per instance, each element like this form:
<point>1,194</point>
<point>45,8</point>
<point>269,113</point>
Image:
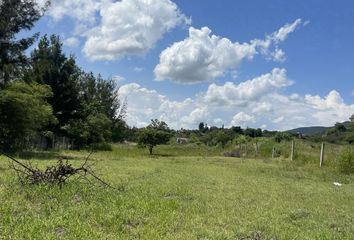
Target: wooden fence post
<point>292,150</point>
<point>273,152</point>
<point>322,154</point>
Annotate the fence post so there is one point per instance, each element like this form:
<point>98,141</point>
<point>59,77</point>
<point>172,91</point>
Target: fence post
<point>273,152</point>
<point>322,154</point>
<point>292,150</point>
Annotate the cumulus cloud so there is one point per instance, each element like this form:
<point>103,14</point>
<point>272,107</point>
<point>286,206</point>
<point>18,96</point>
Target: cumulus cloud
<point>144,104</point>
<point>242,119</point>
<point>72,42</point>
<point>79,10</point>
<point>231,94</point>
<point>204,56</point>
<point>114,29</point>
<point>256,102</point>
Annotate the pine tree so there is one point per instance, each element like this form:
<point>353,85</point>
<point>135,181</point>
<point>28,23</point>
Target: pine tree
<point>15,16</point>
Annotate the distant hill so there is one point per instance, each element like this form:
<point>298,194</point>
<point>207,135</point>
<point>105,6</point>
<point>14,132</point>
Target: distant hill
<point>309,130</point>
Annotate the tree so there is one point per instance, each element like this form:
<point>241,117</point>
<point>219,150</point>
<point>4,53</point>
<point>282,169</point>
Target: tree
<point>222,138</point>
<point>158,125</point>
<point>23,110</point>
<point>201,127</point>
<point>340,127</point>
<point>150,137</point>
<point>282,136</point>
<point>15,16</point>
<point>120,131</point>
<point>50,66</point>
<point>352,118</point>
<point>99,96</point>
<point>157,133</point>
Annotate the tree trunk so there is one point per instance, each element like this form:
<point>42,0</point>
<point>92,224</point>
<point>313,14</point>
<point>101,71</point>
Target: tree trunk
<point>150,149</point>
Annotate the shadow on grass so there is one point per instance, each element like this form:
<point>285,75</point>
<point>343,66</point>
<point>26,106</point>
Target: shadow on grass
<point>42,155</point>
<point>162,155</point>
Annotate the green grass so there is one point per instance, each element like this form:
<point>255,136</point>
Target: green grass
<point>180,193</point>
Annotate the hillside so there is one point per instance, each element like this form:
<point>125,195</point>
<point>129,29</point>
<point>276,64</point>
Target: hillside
<point>309,130</point>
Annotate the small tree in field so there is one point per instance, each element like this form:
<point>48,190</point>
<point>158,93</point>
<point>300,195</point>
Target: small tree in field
<point>150,137</point>
<point>157,133</point>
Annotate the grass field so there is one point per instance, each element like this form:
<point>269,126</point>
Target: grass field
<point>180,193</point>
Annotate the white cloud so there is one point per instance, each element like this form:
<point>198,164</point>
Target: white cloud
<point>278,55</point>
<point>114,29</point>
<point>82,11</point>
<point>203,56</point>
<point>333,99</point>
<point>242,119</point>
<point>284,31</point>
<point>118,78</point>
<point>131,27</point>
<point>218,121</point>
<point>231,94</point>
<point>72,42</point>
<point>254,103</point>
<point>200,57</point>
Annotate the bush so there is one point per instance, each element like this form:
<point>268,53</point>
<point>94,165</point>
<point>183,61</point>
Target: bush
<point>282,136</point>
<point>346,162</point>
<point>101,147</point>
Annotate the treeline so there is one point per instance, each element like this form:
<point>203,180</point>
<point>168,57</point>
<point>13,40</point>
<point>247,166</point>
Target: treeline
<point>47,93</point>
<point>340,133</point>
<point>158,132</point>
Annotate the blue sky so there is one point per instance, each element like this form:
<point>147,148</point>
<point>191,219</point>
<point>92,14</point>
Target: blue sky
<point>271,64</point>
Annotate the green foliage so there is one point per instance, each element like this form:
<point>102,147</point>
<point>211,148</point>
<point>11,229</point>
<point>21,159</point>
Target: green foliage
<point>339,127</point>
<point>282,136</point>
<point>241,139</point>
<point>216,137</point>
<point>150,137</point>
<point>88,108</point>
<point>120,131</point>
<point>50,66</point>
<point>102,146</point>
<point>251,132</point>
<point>23,110</point>
<point>158,125</point>
<point>93,129</point>
<point>15,16</point>
<point>203,127</point>
<point>346,161</point>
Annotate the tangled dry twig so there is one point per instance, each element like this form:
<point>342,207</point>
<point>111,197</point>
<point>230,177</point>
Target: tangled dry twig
<point>57,174</point>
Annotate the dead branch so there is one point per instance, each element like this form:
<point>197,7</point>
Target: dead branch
<point>57,174</point>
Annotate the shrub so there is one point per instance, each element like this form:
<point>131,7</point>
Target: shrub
<point>346,162</point>
<point>101,146</point>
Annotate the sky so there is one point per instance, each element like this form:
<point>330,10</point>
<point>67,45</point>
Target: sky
<point>271,64</point>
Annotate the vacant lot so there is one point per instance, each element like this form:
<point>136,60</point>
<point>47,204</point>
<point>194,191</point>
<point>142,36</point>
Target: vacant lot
<point>180,194</point>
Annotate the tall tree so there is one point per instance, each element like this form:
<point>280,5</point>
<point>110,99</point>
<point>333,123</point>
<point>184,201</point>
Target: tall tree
<point>50,66</point>
<point>15,16</point>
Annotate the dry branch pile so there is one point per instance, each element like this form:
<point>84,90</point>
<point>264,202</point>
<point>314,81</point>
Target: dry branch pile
<point>57,174</point>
